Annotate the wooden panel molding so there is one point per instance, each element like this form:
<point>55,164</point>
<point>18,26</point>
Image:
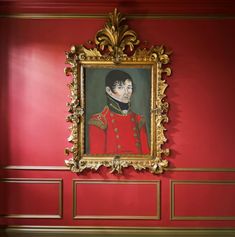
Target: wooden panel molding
<point>30,197</point>
<point>128,199</point>
<point>186,16</point>
<point>197,200</point>
<point>57,231</point>
<point>58,168</point>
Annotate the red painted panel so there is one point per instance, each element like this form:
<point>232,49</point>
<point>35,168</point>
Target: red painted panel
<point>128,176</point>
<point>34,128</point>
<point>33,84</point>
<point>201,131</point>
<point>34,88</point>
<point>27,197</point>
<point>117,199</point>
<point>212,199</point>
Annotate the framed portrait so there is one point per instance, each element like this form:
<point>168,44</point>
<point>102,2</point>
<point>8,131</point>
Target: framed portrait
<point>117,106</point>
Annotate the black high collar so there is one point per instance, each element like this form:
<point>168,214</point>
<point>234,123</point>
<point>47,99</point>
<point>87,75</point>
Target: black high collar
<point>117,106</point>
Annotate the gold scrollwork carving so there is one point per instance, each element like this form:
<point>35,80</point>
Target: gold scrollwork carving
<point>116,36</point>
<point>115,46</point>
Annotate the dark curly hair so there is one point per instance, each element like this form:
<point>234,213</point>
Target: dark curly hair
<point>116,77</point>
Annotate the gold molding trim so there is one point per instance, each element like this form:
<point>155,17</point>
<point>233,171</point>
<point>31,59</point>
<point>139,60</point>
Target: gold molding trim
<point>201,169</point>
<point>131,16</point>
<point>37,181</point>
<point>24,167</point>
<point>58,168</point>
<point>172,200</point>
<point>51,227</point>
<point>158,204</point>
<point>117,231</point>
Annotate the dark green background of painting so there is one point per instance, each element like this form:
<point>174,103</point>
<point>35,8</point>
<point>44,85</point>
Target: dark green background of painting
<point>95,98</point>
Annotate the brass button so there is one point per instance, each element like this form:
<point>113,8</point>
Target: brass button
<point>135,134</point>
<point>116,130</point>
<point>118,146</point>
<point>117,136</point>
<point>137,144</point>
<point>113,120</point>
<point>134,128</point>
<point>111,114</point>
<point>132,119</point>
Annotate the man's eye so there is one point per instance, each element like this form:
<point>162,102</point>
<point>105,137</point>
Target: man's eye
<point>120,87</point>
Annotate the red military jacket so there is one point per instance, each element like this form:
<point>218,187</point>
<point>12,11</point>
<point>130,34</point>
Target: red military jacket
<point>114,133</point>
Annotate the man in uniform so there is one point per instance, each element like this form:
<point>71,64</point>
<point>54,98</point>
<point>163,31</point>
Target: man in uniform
<point>117,129</point>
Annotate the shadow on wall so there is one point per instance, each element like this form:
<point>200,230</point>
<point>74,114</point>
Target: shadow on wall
<point>173,114</point>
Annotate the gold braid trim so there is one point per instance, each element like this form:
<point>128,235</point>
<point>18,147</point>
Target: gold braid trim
<point>141,122</point>
<point>98,123</point>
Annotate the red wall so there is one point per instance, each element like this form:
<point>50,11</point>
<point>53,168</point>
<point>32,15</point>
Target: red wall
<point>197,191</point>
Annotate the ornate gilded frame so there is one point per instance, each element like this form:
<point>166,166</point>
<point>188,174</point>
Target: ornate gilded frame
<point>115,47</point>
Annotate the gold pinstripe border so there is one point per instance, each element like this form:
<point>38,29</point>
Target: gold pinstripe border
<point>130,16</point>
<point>158,206</point>
<point>37,181</point>
<point>195,182</point>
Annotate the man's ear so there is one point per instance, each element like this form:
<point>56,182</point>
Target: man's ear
<point>108,91</point>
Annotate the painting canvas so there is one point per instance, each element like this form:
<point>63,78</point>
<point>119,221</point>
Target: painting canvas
<point>117,120</point>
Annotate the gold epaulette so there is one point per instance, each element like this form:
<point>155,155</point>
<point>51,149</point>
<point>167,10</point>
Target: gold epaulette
<point>99,120</point>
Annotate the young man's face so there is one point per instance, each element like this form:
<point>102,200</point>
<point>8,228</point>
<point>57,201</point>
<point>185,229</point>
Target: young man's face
<point>122,91</point>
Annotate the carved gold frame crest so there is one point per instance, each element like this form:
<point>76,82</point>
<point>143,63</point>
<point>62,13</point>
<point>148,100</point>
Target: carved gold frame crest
<point>117,46</point>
